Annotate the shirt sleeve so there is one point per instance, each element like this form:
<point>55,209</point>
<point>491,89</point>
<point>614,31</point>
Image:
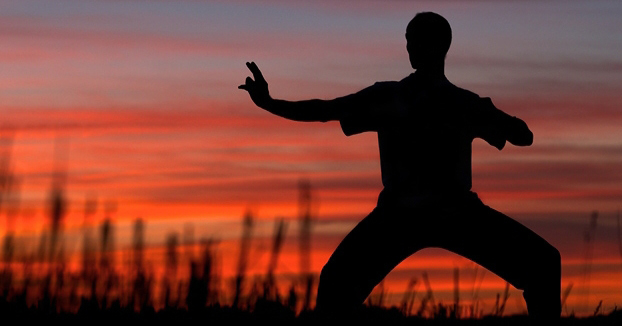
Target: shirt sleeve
<point>364,111</point>
<point>491,124</point>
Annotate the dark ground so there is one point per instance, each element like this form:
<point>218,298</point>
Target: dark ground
<point>264,313</point>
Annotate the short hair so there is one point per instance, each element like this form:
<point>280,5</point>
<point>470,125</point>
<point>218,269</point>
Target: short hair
<point>431,31</point>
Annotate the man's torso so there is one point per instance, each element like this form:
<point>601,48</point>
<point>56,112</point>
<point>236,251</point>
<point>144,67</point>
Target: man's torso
<point>425,130</point>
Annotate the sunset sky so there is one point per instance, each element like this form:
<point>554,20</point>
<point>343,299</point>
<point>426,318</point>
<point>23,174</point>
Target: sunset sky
<point>137,102</point>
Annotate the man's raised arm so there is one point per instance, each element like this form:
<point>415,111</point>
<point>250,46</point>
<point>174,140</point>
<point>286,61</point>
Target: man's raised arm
<point>307,110</point>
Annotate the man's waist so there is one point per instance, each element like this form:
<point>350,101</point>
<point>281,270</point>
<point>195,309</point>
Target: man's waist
<point>399,195</point>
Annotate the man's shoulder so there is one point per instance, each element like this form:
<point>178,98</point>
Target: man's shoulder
<point>446,89</point>
<point>444,86</point>
<point>462,93</point>
<point>386,85</point>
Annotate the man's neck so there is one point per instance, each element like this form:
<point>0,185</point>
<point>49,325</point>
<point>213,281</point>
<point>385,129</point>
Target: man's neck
<point>431,72</point>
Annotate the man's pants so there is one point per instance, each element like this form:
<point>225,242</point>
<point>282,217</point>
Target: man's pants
<point>461,224</point>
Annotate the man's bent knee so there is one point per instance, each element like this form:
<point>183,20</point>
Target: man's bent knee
<point>547,264</point>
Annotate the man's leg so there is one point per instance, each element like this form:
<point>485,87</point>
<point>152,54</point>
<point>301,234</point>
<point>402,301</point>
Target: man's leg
<point>510,250</point>
<point>364,257</point>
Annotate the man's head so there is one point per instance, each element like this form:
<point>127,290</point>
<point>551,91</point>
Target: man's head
<point>428,37</point>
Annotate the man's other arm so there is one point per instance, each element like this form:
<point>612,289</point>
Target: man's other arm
<point>496,127</point>
<point>518,133</point>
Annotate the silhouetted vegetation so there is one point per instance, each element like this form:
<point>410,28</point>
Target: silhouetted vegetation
<point>44,289</point>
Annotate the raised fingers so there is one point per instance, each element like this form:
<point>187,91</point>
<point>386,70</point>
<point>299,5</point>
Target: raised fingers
<point>256,72</point>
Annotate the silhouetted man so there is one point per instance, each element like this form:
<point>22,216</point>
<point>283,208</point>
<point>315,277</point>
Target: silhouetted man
<point>425,127</point>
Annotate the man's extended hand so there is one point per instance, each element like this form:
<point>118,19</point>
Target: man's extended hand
<point>258,88</point>
<point>306,110</point>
